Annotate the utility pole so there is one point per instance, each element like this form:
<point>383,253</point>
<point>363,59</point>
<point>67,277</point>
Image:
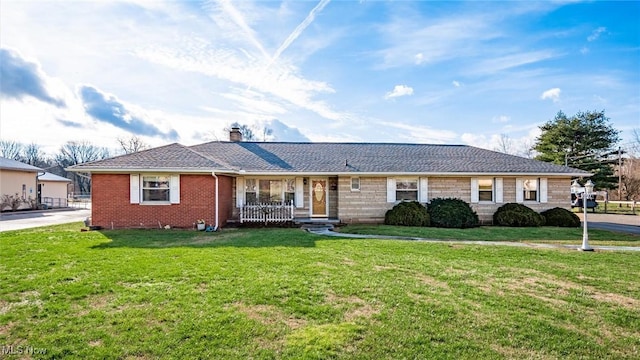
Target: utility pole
<point>619,173</point>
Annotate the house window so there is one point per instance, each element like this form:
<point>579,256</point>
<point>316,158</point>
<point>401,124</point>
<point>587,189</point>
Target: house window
<point>270,191</point>
<point>290,191</point>
<point>251,191</point>
<point>485,189</point>
<point>530,189</point>
<point>24,191</point>
<point>155,188</point>
<point>407,190</point>
<point>355,184</point>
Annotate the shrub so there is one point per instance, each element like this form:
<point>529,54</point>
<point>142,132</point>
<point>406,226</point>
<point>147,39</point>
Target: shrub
<point>517,215</point>
<point>561,217</point>
<point>410,213</point>
<point>452,213</point>
<point>11,201</point>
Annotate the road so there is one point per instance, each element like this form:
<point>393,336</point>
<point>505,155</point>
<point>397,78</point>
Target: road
<point>612,222</point>
<point>30,219</point>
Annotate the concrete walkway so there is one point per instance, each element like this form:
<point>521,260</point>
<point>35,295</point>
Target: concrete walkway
<point>328,231</point>
<point>29,219</point>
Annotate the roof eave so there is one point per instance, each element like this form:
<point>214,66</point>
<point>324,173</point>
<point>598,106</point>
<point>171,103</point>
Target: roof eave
<point>420,173</point>
<point>149,170</point>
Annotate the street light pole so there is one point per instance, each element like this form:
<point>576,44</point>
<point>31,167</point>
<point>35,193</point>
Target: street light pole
<point>588,190</point>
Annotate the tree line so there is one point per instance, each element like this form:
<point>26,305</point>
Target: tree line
<point>69,154</point>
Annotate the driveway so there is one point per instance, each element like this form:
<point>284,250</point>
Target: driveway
<point>612,222</point>
<point>30,219</point>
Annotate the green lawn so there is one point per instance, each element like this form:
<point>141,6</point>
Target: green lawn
<point>284,293</point>
<point>544,234</point>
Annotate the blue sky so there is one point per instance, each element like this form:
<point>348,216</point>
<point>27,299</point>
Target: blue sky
<point>346,71</point>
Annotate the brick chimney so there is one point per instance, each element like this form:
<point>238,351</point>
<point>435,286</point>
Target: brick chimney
<point>235,135</point>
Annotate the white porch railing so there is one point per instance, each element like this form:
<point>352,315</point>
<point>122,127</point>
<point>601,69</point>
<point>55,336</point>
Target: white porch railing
<point>266,212</point>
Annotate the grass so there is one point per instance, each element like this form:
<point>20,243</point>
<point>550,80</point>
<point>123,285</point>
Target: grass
<point>284,293</point>
<point>543,234</point>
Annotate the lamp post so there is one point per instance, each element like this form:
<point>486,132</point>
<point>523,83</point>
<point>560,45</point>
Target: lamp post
<point>588,190</point>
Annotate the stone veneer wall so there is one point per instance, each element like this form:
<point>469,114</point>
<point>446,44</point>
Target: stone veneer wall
<point>370,203</point>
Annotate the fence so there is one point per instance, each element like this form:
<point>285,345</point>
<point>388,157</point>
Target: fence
<point>618,207</point>
<point>50,202</point>
<point>80,201</point>
<point>266,212</point>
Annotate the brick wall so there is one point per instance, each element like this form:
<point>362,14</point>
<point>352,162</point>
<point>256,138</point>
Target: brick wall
<point>111,205</point>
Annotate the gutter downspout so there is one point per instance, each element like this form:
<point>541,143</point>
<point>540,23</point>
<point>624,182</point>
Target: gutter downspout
<point>213,173</point>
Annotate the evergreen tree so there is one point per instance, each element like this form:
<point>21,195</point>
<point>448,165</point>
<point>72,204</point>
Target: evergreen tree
<point>582,141</point>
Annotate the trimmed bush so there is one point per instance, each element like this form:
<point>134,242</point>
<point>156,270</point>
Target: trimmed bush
<point>517,215</point>
<point>452,213</point>
<point>561,217</point>
<point>410,213</point>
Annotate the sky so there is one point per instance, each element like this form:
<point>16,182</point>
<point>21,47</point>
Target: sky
<point>321,71</point>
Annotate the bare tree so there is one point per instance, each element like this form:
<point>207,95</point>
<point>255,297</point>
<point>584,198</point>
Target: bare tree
<point>33,155</point>
<point>11,149</point>
<point>79,152</point>
<point>504,145</point>
<point>132,144</point>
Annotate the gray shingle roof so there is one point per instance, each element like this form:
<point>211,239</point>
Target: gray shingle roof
<point>10,164</point>
<point>169,157</point>
<point>277,157</point>
<point>371,158</point>
<point>53,177</point>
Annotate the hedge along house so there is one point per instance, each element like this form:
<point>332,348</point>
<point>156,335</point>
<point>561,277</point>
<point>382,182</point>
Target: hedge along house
<point>346,182</point>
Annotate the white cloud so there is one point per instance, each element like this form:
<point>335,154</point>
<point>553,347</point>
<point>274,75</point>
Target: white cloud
<point>596,33</point>
<point>419,134</point>
<point>520,145</point>
<point>398,91</point>
<point>551,94</point>
<point>501,119</point>
<point>584,50</point>
<point>456,83</point>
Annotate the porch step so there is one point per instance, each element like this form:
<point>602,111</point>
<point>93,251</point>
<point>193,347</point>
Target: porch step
<point>312,227</point>
<point>315,221</point>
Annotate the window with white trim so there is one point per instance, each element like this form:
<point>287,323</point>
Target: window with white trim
<point>530,189</point>
<point>406,189</point>
<point>485,189</point>
<point>289,191</point>
<point>355,184</point>
<point>270,191</point>
<point>156,188</point>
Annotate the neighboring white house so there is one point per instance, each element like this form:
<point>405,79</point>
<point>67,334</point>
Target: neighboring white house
<point>18,179</point>
<point>53,190</point>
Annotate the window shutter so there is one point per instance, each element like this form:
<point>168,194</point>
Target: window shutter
<point>239,191</point>
<point>134,188</point>
<point>519,190</point>
<point>424,189</point>
<point>543,190</point>
<point>174,191</point>
<point>499,191</point>
<point>474,190</point>
<point>391,190</point>
<point>299,192</point>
